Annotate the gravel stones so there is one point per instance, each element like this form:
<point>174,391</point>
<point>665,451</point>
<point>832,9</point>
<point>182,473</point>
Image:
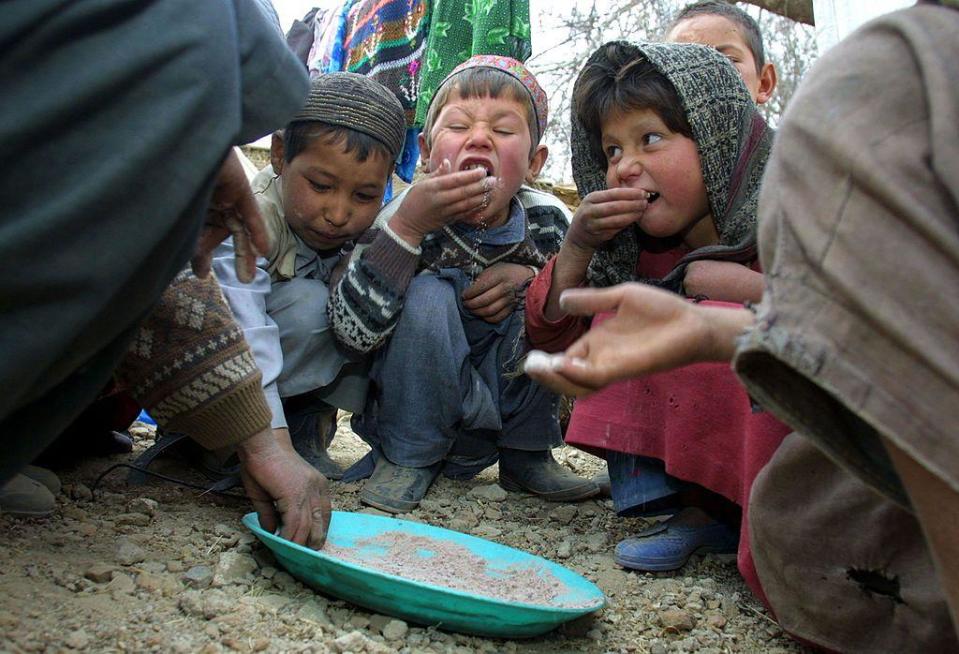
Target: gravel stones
<point>163,598</point>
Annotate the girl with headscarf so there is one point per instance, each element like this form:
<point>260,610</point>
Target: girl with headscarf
<point>668,153</point>
<point>854,521</point>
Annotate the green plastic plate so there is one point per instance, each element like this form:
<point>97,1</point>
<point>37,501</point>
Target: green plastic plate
<point>426,603</point>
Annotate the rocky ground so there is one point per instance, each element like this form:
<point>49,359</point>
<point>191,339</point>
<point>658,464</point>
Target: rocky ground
<point>164,568</point>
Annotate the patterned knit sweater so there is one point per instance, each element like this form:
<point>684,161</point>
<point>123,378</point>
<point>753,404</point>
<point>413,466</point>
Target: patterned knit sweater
<point>191,368</point>
<point>369,288</point>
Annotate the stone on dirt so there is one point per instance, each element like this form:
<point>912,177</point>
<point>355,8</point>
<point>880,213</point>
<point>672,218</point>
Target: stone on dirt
<point>395,629</point>
<point>490,493</point>
<point>233,567</point>
<point>673,618</point>
<point>99,573</point>
<point>129,553</point>
<point>199,576</point>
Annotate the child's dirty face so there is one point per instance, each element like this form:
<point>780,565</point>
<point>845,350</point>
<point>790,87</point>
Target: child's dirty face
<point>329,196</point>
<point>641,152</point>
<point>491,133</point>
<point>726,37</point>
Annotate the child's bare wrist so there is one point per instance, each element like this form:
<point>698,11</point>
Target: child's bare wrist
<point>578,251</point>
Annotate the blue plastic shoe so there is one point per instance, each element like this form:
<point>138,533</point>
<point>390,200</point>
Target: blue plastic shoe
<point>668,545</point>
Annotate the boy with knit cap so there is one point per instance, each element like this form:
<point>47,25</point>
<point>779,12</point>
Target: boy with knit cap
<point>434,289</point>
<point>323,188</point>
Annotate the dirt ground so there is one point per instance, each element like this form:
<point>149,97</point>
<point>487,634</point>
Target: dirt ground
<point>162,568</point>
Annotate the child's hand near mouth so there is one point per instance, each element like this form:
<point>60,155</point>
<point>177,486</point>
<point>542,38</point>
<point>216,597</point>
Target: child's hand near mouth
<point>602,215</point>
<point>443,198</point>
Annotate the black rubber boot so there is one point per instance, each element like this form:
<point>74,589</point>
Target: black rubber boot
<point>312,428</point>
<point>397,489</point>
<point>539,473</point>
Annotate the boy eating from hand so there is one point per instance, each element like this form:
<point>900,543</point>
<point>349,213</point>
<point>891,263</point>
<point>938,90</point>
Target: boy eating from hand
<point>434,288</point>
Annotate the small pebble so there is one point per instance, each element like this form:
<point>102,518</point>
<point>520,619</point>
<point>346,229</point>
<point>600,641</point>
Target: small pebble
<point>395,629</point>
<point>199,576</point>
<point>129,553</point>
<point>491,493</point>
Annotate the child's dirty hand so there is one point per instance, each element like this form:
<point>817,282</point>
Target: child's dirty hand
<point>495,293</point>
<point>603,214</point>
<point>443,198</point>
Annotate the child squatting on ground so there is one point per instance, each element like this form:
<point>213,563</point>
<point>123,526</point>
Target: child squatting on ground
<point>325,184</point>
<point>435,287</point>
<point>668,150</point>
<point>737,36</point>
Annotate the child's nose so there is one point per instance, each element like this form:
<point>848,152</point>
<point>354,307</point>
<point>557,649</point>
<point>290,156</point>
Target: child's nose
<point>337,213</point>
<point>629,167</point>
<point>479,136</point>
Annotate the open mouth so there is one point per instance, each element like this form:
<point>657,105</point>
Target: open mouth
<point>473,165</point>
<point>651,196</point>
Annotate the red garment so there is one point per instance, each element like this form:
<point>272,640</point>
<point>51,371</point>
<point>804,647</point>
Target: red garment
<point>698,419</point>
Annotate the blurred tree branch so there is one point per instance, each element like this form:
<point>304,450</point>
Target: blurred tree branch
<point>800,11</point>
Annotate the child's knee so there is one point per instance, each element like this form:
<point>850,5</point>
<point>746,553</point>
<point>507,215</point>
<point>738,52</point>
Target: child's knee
<point>430,303</point>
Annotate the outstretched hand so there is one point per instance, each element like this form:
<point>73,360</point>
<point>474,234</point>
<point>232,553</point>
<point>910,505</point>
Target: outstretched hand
<point>284,489</point>
<point>232,212</point>
<point>495,293</point>
<point>442,198</point>
<point>652,331</point>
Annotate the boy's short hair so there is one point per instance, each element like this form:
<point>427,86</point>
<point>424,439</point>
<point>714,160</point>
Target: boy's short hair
<point>493,76</point>
<point>352,109</point>
<point>298,135</point>
<point>750,28</point>
<point>623,79</point>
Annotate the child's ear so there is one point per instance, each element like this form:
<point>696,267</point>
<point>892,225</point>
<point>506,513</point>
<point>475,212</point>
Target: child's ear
<point>424,150</point>
<point>276,152</point>
<point>767,83</point>
<point>536,163</point>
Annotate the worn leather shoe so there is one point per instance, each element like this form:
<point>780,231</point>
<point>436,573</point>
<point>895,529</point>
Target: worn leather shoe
<point>539,473</point>
<point>397,489</point>
<point>25,497</point>
<point>43,476</point>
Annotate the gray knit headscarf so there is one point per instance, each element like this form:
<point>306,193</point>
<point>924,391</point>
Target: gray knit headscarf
<point>733,143</point>
<point>358,103</point>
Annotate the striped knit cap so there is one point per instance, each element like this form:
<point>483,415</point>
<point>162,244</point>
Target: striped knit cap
<point>358,103</point>
<point>518,71</point>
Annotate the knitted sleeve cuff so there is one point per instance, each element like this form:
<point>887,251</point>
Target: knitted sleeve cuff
<point>229,420</point>
<point>393,257</point>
